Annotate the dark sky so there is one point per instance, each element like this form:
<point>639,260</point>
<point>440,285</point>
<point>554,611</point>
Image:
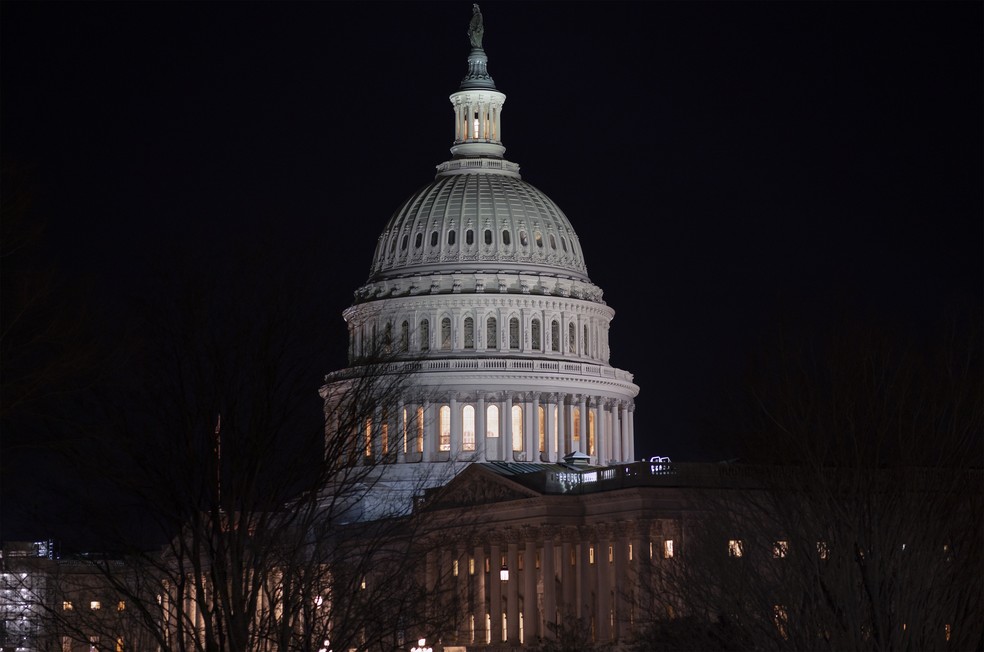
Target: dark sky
<point>722,163</point>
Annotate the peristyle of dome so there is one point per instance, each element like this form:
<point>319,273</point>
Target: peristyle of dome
<point>479,286</point>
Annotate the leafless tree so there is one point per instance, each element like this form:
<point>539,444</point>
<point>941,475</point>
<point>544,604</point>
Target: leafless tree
<point>855,520</point>
<point>230,516</point>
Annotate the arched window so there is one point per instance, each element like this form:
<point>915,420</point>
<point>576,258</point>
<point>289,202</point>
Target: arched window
<point>555,336</point>
<point>571,338</point>
<point>434,238</point>
<point>553,241</point>
<point>563,243</point>
<point>505,238</point>
<point>392,246</point>
<point>492,421</point>
<point>469,237</point>
<point>468,428</point>
<point>488,236</point>
<point>368,427</point>
<point>469,333</point>
<point>585,349</point>
<point>577,424</point>
<point>523,239</point>
<point>538,238</point>
<point>424,335</point>
<point>542,429</point>
<point>406,241</point>
<point>404,427</point>
<point>451,237</point>
<point>491,334</point>
<point>517,427</point>
<point>514,333</point>
<point>405,336</point>
<point>444,418</point>
<point>388,338</point>
<point>418,241</point>
<point>535,334</point>
<point>446,333</point>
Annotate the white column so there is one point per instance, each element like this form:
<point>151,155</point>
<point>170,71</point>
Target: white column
<point>505,423</point>
<point>457,434</point>
<point>532,421</point>
<point>480,429</point>
<point>551,424</point>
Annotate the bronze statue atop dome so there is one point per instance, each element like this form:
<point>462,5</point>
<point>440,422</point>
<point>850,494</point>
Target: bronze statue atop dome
<point>476,28</point>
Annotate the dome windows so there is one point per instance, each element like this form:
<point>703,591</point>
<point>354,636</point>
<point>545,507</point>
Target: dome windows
<point>406,240</point>
<point>505,238</point>
<point>553,242</point>
<point>469,237</point>
<point>418,241</point>
<point>451,237</point>
<point>488,236</point>
<point>434,237</point>
<point>523,239</point>
<point>538,239</point>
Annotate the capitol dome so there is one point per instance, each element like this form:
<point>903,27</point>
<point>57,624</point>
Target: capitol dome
<point>479,300</point>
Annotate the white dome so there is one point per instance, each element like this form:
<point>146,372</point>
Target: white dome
<point>479,216</point>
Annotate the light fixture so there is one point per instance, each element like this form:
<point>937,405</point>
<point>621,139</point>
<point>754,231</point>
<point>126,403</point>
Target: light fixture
<point>504,573</point>
<point>421,646</point>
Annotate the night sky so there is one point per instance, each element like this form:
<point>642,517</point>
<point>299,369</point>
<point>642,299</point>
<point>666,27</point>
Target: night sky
<point>727,166</point>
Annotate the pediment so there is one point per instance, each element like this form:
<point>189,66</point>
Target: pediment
<point>478,486</point>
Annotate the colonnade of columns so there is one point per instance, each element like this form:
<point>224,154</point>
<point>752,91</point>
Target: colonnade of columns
<point>477,119</point>
<point>508,426</point>
<point>556,573</point>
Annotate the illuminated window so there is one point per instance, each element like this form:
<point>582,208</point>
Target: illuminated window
<point>491,334</point>
<point>591,433</point>
<point>424,335</point>
<point>630,552</point>
<point>542,429</point>
<point>93,643</point>
<point>95,604</point>
<point>514,333</point>
<point>446,333</point>
<point>590,554</point>
<point>780,549</point>
<point>947,631</point>
<point>454,568</point>
<point>667,549</point>
<point>471,565</point>
<point>469,333</point>
<point>362,584</point>
<point>471,629</point>
<point>611,554</point>
<point>487,564</point>
<point>517,427</point>
<point>736,548</point>
<point>368,437</point>
<point>781,619</point>
<point>420,429</point>
<point>822,551</point>
<point>121,606</point>
<point>492,421</point>
<point>66,644</point>
<point>67,605</point>
<point>535,334</point>
<point>505,628</point>
<point>468,427</point>
<point>119,644</point>
<point>577,424</point>
<point>385,435</point>
<point>444,417</point>
<point>488,628</point>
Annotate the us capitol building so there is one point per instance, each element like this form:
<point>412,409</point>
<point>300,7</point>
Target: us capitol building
<point>479,285</point>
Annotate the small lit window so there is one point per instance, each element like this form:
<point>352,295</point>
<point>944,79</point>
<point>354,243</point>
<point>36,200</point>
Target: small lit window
<point>67,605</point>
<point>362,585</point>
<point>471,565</point>
<point>822,551</point>
<point>95,604</point>
<point>947,631</point>
<point>667,549</point>
<point>780,549</point>
<point>630,552</point>
<point>454,568</point>
<point>736,548</point>
<point>537,558</point>
<point>519,562</point>
<point>611,554</point>
<point>121,606</point>
<point>487,564</point>
<point>781,620</point>
<point>590,554</point>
